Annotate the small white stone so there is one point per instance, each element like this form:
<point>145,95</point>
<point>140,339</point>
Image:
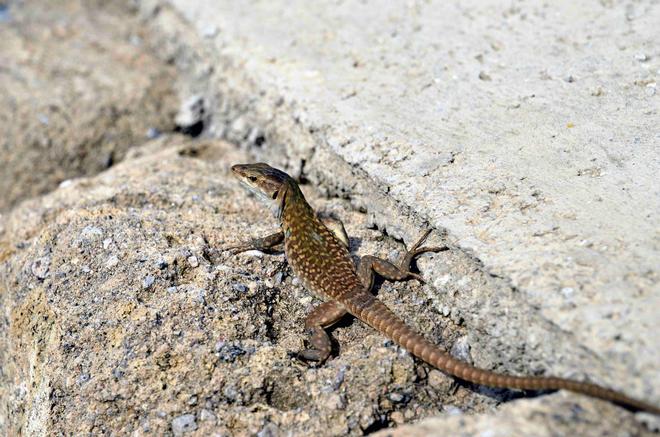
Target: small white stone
<point>112,262</point>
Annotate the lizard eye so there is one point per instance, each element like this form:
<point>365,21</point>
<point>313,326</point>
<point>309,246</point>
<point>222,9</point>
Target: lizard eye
<point>252,178</point>
<point>274,196</point>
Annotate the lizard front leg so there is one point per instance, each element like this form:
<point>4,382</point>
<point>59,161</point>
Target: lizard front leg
<point>370,264</point>
<point>269,243</point>
<point>275,241</point>
<point>321,317</point>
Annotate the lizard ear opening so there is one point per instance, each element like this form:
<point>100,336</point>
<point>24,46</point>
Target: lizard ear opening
<point>275,193</point>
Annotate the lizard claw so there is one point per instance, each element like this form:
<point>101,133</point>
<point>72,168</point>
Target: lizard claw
<point>308,357</point>
<point>419,250</point>
<point>416,276</point>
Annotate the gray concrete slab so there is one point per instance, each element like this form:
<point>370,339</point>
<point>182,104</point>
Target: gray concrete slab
<point>529,133</point>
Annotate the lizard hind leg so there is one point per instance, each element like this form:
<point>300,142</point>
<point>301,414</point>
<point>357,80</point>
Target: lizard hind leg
<point>392,272</point>
<point>272,242</point>
<point>319,344</point>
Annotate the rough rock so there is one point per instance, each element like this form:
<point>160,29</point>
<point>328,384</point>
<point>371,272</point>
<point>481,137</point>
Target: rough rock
<point>121,314</point>
<point>78,89</point>
<point>123,334</point>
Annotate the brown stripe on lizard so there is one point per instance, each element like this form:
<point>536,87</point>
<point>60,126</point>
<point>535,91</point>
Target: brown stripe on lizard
<point>318,254</point>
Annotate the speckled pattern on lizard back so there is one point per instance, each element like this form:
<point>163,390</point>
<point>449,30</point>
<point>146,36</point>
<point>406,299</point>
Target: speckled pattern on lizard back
<point>320,257</point>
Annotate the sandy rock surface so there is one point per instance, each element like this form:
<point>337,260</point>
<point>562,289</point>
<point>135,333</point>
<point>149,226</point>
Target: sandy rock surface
<point>121,316</point>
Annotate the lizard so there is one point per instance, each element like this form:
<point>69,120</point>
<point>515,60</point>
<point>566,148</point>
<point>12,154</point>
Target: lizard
<point>318,252</point>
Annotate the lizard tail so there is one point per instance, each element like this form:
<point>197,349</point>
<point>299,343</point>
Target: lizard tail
<point>369,309</point>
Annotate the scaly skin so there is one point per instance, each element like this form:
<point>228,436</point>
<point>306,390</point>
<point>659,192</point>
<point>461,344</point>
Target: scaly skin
<point>320,258</point>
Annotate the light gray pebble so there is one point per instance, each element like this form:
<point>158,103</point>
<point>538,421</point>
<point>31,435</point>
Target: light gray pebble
<point>112,261</point>
<point>239,288</point>
<point>207,416</point>
<point>91,233</point>
<point>148,281</point>
<point>461,350</point>
<point>184,424</point>
<point>253,253</point>
<point>270,430</point>
<point>40,267</point>
<point>193,261</point>
<point>152,133</point>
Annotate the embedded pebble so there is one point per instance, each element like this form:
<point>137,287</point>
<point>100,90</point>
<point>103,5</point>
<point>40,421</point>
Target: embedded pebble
<point>440,381</point>
<point>191,112</point>
<point>184,424</point>
<point>254,253</point>
<point>40,267</point>
<point>207,416</point>
<point>461,350</point>
<point>148,281</point>
<point>91,233</point>
<point>228,352</point>
<point>339,378</point>
<point>239,288</point>
<point>192,260</point>
<point>152,133</point>
<point>396,397</point>
<point>112,261</point>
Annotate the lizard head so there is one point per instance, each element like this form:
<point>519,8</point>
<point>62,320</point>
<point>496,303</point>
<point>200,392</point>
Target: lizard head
<point>269,184</point>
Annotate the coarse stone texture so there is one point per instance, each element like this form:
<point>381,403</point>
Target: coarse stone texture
<point>527,133</point>
<point>76,91</point>
<point>120,314</point>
